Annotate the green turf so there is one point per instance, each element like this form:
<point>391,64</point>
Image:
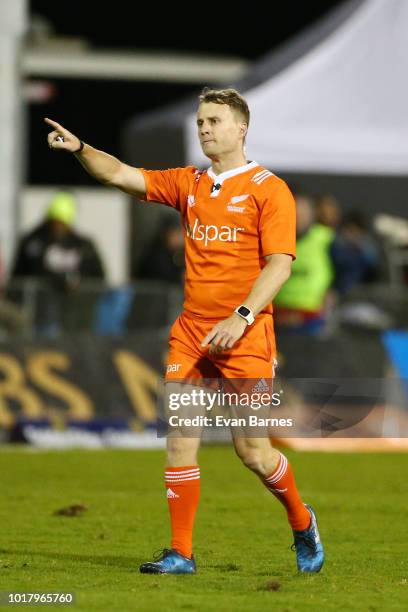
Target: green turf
<point>242,541</point>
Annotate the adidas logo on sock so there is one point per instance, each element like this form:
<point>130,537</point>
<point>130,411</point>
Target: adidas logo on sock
<point>171,494</point>
<point>261,386</point>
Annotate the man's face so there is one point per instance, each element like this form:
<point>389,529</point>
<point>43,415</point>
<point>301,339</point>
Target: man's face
<point>58,229</point>
<point>221,130</point>
<point>304,214</point>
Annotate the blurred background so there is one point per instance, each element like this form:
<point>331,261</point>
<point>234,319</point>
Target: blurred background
<point>91,279</point>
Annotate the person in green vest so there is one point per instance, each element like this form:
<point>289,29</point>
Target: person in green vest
<point>299,307</point>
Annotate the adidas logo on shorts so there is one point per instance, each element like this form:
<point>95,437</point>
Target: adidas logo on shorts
<point>261,386</point>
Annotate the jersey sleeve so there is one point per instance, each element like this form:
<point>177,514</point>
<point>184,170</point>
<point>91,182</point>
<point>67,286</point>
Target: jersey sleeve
<point>165,186</point>
<point>277,224</point>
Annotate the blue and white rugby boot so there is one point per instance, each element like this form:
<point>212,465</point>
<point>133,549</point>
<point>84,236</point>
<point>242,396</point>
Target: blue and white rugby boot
<point>169,561</point>
<point>309,549</point>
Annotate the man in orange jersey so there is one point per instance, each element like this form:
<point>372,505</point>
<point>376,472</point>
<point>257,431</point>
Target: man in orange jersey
<point>239,225</point>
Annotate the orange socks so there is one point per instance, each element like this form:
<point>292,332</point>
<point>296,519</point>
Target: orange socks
<point>183,493</point>
<point>282,484</point>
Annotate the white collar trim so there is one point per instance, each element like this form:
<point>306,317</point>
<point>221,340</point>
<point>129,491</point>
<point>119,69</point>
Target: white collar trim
<point>220,178</point>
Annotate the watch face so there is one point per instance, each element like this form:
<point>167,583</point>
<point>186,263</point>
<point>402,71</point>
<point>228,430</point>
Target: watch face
<point>243,311</point>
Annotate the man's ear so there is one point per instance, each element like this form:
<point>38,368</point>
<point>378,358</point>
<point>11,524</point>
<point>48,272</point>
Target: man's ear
<point>244,129</point>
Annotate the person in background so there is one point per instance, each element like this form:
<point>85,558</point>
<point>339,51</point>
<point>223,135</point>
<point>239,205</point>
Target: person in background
<point>299,306</point>
<point>163,259</point>
<point>354,254</point>
<point>328,211</point>
<point>58,256</point>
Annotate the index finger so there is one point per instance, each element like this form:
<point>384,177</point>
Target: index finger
<point>54,124</point>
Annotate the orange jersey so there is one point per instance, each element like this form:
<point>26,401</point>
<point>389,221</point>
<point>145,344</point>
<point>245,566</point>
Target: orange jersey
<point>231,222</point>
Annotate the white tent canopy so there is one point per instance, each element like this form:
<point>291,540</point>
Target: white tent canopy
<point>339,108</point>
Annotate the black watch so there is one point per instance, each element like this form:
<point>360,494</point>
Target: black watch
<point>246,313</point>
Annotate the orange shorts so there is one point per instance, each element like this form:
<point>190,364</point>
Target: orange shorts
<point>251,357</point>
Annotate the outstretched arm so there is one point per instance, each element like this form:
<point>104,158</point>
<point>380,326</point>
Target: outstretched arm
<point>103,167</point>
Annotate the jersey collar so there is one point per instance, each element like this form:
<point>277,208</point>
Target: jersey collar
<point>220,178</point>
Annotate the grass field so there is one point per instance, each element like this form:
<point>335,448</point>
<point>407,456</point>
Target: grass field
<point>242,540</point>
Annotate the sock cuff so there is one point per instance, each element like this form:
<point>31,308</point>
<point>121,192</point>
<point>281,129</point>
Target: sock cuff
<point>178,475</point>
<point>181,469</point>
<point>279,471</point>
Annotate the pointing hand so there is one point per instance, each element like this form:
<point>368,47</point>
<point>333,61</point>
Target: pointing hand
<point>60,139</point>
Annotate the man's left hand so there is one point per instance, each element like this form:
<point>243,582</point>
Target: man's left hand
<point>224,335</point>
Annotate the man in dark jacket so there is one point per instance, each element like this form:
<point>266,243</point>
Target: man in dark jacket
<point>55,254</point>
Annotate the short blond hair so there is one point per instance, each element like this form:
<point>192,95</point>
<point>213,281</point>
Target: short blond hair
<point>230,97</point>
